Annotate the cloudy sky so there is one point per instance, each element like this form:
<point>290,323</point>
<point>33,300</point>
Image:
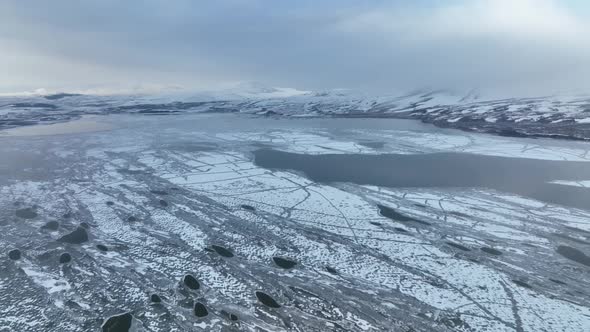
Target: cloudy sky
<point>514,46</point>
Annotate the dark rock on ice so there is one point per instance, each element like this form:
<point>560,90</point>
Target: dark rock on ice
<point>51,225</point>
<point>65,258</point>
<point>284,263</point>
<point>248,207</point>
<point>331,270</point>
<point>14,254</point>
<point>267,300</point>
<point>222,251</point>
<point>76,237</point>
<point>191,282</point>
<point>120,323</point>
<point>200,310</point>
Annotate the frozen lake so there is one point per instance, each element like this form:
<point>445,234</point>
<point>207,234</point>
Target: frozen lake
<point>233,222</point>
<point>526,177</point>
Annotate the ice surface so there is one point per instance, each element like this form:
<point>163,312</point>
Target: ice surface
<point>383,275</point>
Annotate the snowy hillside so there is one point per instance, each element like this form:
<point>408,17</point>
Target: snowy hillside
<point>550,116</point>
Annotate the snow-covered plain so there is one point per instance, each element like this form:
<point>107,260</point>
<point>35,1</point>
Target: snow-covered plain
<point>161,191</point>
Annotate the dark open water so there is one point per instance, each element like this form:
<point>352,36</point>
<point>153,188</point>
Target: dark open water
<point>525,177</point>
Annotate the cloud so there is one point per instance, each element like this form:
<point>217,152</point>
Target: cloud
<point>496,44</point>
<point>519,46</point>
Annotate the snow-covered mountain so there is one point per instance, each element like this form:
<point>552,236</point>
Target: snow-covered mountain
<point>257,90</point>
<point>562,116</point>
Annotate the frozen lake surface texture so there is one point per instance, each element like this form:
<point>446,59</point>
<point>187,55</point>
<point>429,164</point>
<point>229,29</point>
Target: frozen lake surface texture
<point>242,222</point>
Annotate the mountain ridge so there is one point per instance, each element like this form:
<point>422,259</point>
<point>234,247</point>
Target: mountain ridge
<point>557,116</point>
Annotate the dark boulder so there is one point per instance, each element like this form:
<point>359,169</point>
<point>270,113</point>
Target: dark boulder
<point>191,282</point>
<point>200,310</point>
<point>331,270</point>
<point>284,263</point>
<point>491,251</point>
<point>14,254</point>
<point>222,251</point>
<point>248,207</point>
<point>267,300</point>
<point>65,258</point>
<point>76,237</point>
<point>120,323</point>
<point>51,225</point>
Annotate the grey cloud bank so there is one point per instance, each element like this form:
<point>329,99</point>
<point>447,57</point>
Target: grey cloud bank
<point>519,46</point>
